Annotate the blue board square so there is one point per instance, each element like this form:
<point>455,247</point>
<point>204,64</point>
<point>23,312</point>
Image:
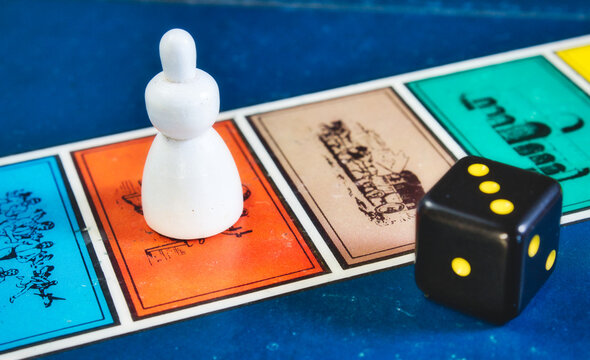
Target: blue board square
<point>48,284</point>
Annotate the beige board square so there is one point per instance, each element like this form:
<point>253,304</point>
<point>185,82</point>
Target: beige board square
<point>360,164</point>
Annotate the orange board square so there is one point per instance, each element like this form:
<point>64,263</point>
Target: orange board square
<point>264,248</point>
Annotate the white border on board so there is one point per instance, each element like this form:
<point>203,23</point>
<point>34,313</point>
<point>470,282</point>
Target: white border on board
<point>287,192</point>
<point>93,232</point>
<point>567,70</point>
<point>127,325</point>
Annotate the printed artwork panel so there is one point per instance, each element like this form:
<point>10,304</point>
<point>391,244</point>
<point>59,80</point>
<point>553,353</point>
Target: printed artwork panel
<point>360,163</point>
<point>524,113</point>
<point>48,284</point>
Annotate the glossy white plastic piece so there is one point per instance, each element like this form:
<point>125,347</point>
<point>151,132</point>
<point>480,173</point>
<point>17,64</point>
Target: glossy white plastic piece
<point>191,188</point>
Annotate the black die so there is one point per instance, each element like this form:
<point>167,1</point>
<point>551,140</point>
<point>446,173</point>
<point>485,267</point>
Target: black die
<point>487,238</point>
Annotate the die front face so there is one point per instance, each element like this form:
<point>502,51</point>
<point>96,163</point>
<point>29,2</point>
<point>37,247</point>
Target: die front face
<point>474,231</point>
<point>466,265</point>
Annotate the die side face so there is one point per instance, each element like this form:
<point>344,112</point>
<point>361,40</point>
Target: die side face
<point>485,288</point>
<point>539,253</point>
<point>486,214</point>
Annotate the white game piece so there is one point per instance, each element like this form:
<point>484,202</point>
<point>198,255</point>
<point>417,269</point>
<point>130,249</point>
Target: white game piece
<point>191,187</point>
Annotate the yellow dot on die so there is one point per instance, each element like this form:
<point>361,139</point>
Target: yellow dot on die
<point>489,187</point>
<point>501,206</point>
<point>478,169</point>
<point>534,245</point>
<point>461,266</point>
<point>550,260</point>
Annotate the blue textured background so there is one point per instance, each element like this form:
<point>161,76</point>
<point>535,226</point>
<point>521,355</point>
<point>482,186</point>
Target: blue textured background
<point>75,70</point>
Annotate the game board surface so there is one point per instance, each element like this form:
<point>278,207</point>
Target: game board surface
<point>319,265</point>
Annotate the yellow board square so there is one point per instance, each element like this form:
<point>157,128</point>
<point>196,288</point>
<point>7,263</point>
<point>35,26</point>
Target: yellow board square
<point>579,59</point>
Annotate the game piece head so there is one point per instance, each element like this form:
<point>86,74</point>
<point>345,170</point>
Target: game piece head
<point>182,101</point>
<point>178,54</point>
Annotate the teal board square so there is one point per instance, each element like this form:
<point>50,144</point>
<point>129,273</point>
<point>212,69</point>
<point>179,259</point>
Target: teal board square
<point>525,113</point>
<point>49,286</point>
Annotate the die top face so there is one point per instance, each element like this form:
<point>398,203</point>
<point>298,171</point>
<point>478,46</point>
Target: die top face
<point>494,194</point>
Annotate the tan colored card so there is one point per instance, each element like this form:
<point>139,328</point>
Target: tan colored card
<point>360,163</point>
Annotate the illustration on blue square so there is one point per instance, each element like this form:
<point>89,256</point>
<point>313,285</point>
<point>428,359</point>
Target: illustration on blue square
<point>49,286</point>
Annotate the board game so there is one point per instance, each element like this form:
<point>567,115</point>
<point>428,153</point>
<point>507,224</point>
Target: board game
<point>330,185</point>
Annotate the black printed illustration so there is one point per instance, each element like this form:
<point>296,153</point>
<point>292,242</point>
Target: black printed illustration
<point>167,251</point>
<point>131,197</point>
<point>379,174</point>
<point>531,139</point>
<point>24,256</point>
